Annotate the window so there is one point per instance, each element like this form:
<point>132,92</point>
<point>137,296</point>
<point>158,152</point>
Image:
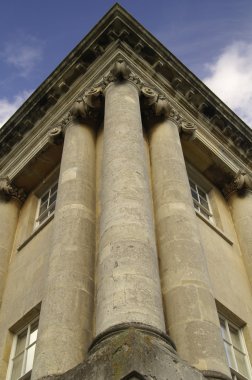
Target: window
<point>22,354</point>
<point>235,348</point>
<point>47,204</point>
<point>200,200</point>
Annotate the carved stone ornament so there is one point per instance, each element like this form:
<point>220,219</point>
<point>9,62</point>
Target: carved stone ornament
<point>186,129</point>
<point>88,107</point>
<point>120,70</point>
<point>156,106</point>
<point>11,191</point>
<point>55,135</point>
<point>241,183</point>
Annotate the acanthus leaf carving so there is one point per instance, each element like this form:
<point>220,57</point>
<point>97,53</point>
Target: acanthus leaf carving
<point>156,106</point>
<point>11,191</point>
<point>240,184</point>
<point>88,106</point>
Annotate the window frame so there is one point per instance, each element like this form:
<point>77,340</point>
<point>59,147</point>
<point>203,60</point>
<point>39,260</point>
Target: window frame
<point>200,208</point>
<point>24,352</point>
<point>50,212</point>
<point>236,375</point>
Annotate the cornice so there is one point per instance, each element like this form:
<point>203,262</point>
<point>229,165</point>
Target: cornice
<point>188,90</point>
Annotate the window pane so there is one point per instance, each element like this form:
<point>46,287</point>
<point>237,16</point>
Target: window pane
<point>194,195</point>
<point>202,194</point>
<point>241,363</point>
<point>53,198</point>
<point>206,215</point>
<point>43,217</point>
<point>223,330</point>
<point>235,337</point>
<point>42,209</point>
<point>29,358</point>
<point>196,206</point>
<point>21,342</point>
<point>17,367</point>
<point>229,354</point>
<point>45,197</point>
<point>47,204</point>
<point>54,188</point>
<point>204,203</point>
<point>33,333</point>
<point>193,186</point>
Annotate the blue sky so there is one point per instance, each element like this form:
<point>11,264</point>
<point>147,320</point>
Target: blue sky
<point>213,38</point>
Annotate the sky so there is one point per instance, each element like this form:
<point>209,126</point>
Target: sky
<point>213,38</point>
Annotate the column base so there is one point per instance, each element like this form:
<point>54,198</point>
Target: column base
<point>131,352</point>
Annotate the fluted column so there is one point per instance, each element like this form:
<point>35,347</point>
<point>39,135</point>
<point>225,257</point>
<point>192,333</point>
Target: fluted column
<point>65,326</point>
<point>128,287</point>
<point>190,310</point>
<point>239,194</point>
<point>10,202</point>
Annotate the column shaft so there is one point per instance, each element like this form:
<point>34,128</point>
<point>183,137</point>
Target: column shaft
<point>241,208</point>
<point>190,309</point>
<point>65,327</point>
<point>128,285</point>
<point>9,211</point>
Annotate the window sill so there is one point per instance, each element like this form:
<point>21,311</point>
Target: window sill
<point>216,229</point>
<point>35,232</point>
<point>27,376</point>
<point>238,375</point>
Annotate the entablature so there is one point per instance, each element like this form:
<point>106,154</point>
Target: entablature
<point>38,140</point>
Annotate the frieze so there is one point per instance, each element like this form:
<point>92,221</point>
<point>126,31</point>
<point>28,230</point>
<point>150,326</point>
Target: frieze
<point>11,191</point>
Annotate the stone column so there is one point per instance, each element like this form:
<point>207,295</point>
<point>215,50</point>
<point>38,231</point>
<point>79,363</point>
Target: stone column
<point>128,285</point>
<point>65,326</point>
<point>190,310</point>
<point>239,194</point>
<point>10,201</point>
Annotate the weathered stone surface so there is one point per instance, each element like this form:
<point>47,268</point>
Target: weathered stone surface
<point>131,354</point>
<point>128,285</point>
<point>241,209</point>
<point>9,212</point>
<point>190,311</point>
<point>65,327</point>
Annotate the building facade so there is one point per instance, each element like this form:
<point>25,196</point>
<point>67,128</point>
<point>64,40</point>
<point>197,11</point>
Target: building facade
<point>125,220</point>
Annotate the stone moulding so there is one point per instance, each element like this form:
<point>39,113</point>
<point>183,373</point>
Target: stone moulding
<point>138,326</point>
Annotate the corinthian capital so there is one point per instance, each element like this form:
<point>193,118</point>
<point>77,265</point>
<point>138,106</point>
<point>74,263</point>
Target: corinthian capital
<point>9,190</point>
<point>88,107</point>
<point>241,183</point>
<point>156,106</point>
<point>187,130</point>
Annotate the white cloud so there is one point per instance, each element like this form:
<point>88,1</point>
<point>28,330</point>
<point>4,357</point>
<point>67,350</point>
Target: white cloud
<point>23,54</point>
<point>230,78</point>
<point>8,107</point>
